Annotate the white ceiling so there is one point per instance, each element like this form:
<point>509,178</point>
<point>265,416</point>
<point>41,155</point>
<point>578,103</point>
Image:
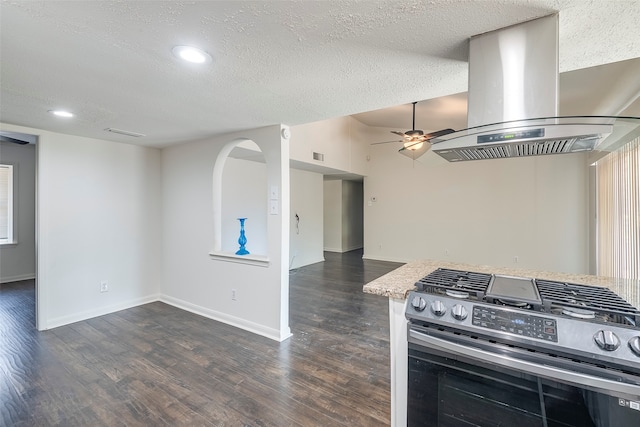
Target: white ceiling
<point>288,62</point>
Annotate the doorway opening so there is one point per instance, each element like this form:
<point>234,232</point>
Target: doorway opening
<point>343,215</point>
<point>18,258</point>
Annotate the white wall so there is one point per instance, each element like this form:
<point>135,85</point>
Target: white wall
<point>197,282</point>
<point>482,212</point>
<point>98,219</point>
<point>333,139</point>
<point>306,240</point>
<point>333,215</point>
<point>18,261</point>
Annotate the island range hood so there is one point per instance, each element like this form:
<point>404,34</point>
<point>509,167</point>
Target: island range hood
<point>513,100</point>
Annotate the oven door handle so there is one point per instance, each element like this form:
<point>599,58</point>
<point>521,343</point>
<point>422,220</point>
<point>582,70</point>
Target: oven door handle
<point>576,378</point>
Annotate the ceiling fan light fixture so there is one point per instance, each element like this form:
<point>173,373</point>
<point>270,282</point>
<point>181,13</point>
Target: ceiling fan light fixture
<point>416,150</point>
<point>413,145</point>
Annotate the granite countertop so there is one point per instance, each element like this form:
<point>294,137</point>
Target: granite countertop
<point>397,283</point>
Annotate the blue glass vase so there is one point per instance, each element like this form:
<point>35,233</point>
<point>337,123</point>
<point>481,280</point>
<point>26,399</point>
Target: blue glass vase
<point>242,240</point>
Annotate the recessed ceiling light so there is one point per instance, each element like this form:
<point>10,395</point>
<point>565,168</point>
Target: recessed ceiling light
<point>192,54</point>
<point>61,113</point>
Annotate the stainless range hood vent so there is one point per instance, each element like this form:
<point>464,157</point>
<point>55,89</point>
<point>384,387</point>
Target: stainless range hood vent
<point>513,100</point>
<point>524,138</point>
<point>502,151</point>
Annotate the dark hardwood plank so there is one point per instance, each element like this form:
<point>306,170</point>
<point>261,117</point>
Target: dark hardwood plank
<point>161,366</point>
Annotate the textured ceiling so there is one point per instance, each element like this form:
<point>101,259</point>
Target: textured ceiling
<point>288,62</point>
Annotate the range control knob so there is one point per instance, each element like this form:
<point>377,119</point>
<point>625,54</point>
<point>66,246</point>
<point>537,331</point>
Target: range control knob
<point>634,344</point>
<point>459,312</point>
<point>418,303</point>
<point>438,308</point>
<point>607,340</point>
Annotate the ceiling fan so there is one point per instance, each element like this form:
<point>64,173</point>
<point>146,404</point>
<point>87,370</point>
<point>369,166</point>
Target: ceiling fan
<point>415,142</point>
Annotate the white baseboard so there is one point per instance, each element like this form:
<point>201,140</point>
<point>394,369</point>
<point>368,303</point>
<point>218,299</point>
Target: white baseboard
<point>77,317</point>
<point>339,250</point>
<point>381,258</point>
<point>342,250</point>
<point>307,262</point>
<point>17,278</point>
<point>271,333</point>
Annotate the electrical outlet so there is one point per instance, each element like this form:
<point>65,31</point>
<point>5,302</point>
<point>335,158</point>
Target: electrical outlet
<point>233,294</point>
<point>104,286</point>
<point>515,259</point>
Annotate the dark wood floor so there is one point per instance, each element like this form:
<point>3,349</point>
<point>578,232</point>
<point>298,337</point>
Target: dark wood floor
<point>156,365</point>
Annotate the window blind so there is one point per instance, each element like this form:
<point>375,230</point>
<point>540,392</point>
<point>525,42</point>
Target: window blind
<point>618,212</point>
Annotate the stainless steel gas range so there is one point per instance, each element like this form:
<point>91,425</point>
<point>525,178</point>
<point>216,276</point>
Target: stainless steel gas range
<point>488,350</point>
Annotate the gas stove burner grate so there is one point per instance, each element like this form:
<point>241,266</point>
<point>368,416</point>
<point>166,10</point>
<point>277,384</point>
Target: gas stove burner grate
<point>556,297</point>
<point>591,298</point>
<point>456,281</point>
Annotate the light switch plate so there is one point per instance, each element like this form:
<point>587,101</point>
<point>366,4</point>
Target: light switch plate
<point>273,207</point>
<point>273,193</point>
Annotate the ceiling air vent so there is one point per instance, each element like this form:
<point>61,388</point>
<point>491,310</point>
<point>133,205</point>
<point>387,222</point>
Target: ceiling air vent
<point>125,132</point>
<point>318,156</point>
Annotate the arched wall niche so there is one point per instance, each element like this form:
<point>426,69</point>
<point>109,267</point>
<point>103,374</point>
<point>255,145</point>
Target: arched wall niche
<point>240,191</point>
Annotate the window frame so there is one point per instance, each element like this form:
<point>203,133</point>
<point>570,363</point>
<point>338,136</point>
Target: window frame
<point>10,187</point>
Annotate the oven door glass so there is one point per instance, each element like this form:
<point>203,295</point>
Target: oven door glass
<point>448,388</point>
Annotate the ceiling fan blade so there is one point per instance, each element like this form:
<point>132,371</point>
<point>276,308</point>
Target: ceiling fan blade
<point>426,145</point>
<point>398,133</point>
<point>439,133</point>
<point>425,140</point>
<point>384,142</point>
